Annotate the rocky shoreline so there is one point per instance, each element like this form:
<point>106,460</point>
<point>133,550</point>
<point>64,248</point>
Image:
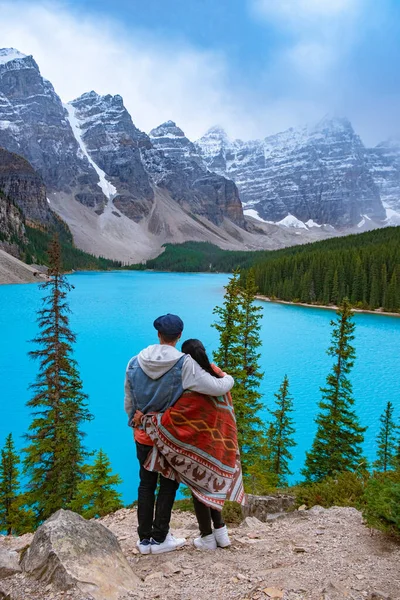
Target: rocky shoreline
<point>330,307</point>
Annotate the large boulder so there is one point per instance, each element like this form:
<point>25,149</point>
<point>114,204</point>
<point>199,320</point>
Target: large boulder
<point>69,551</point>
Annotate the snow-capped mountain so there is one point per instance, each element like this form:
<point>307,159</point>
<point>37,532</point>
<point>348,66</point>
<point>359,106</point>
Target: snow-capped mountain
<point>316,173</point>
<point>33,123</point>
<point>124,193</point>
<point>384,162</point>
<point>90,152</point>
<point>108,138</point>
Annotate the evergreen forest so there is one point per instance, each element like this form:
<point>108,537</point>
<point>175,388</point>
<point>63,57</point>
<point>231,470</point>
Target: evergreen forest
<point>365,268</point>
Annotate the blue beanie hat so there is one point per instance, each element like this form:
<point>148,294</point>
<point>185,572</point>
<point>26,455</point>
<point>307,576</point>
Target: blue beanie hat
<point>169,324</point>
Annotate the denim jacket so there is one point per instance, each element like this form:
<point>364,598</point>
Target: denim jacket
<point>154,395</point>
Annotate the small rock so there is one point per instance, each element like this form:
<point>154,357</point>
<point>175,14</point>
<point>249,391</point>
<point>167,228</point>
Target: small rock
<point>9,563</point>
<point>302,507</point>
<point>378,595</point>
<point>241,577</point>
<point>273,592</point>
<point>299,549</point>
<point>170,569</point>
<point>252,522</point>
<point>317,509</point>
<point>253,535</point>
<point>155,575</point>
<point>187,572</point>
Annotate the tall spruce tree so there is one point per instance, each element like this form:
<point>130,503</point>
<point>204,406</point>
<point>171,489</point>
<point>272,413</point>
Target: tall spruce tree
<point>239,327</point>
<point>337,443</point>
<point>228,325</point>
<point>96,495</point>
<point>55,453</point>
<point>14,518</point>
<point>280,434</point>
<point>387,441</point>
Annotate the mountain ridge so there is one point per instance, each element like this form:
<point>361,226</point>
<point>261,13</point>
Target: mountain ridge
<point>126,193</point>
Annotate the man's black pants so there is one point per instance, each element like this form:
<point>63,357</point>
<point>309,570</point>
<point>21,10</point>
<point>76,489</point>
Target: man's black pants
<point>151,526</point>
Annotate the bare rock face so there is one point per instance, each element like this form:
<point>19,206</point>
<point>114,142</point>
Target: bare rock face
<point>9,563</point>
<point>181,170</point>
<point>384,162</point>
<point>69,551</point>
<point>21,184</point>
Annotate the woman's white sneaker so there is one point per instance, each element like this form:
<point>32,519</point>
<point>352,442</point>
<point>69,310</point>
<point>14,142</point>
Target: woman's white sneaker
<point>168,545</point>
<point>144,546</point>
<point>222,537</point>
<point>205,543</point>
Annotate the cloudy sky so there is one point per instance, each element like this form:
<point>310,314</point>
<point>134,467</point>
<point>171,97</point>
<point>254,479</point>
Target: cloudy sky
<point>253,66</point>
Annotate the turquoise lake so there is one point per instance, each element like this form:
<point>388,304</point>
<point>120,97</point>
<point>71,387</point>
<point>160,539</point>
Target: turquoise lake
<point>112,315</point>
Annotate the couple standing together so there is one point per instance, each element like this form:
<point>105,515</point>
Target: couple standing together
<point>185,432</point>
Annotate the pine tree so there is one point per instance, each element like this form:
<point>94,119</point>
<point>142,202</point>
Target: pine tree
<point>228,357</point>
<point>280,437</point>
<point>247,395</point>
<point>259,477</point>
<point>337,443</point>
<point>386,439</point>
<point>14,519</point>
<point>238,326</point>
<point>55,453</point>
<point>95,495</point>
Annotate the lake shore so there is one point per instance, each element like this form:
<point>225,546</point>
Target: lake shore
<point>330,307</point>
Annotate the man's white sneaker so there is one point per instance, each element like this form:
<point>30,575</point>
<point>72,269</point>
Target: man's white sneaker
<point>144,546</point>
<point>205,543</point>
<point>168,545</point>
<point>222,537</point>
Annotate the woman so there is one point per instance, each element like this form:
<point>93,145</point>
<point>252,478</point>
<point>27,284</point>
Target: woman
<point>195,442</point>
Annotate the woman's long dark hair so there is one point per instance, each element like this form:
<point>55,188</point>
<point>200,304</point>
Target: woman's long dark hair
<point>197,351</point>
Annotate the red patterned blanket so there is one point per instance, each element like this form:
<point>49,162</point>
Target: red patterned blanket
<point>195,442</point>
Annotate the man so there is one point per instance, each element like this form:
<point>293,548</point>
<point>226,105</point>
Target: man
<point>154,381</point>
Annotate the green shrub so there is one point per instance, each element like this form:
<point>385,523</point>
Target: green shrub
<point>232,512</point>
<point>345,489</point>
<point>185,504</point>
<point>382,502</point>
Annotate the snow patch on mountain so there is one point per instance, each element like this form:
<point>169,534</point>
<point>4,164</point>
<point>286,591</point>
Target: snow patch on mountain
<point>310,223</point>
<point>292,221</point>
<point>7,54</point>
<point>107,188</point>
<point>249,212</point>
<point>392,216</point>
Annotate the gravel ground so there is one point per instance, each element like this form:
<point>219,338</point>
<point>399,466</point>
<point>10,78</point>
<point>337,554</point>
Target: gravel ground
<point>310,555</point>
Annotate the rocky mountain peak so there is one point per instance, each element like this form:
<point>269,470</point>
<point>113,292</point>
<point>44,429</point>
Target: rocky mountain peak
<point>167,129</point>
<point>8,54</point>
<point>216,131</point>
<point>334,124</point>
<point>171,139</point>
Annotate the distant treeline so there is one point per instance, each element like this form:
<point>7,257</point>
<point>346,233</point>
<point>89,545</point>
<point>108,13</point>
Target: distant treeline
<point>365,268</point>
<point>200,257</point>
